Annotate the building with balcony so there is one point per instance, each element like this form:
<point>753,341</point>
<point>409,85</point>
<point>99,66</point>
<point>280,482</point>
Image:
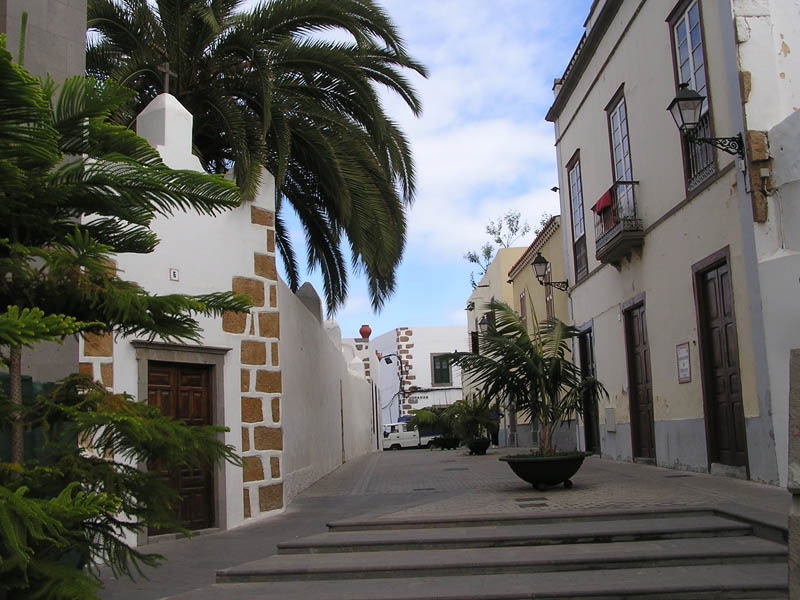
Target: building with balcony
<point>683,285</point>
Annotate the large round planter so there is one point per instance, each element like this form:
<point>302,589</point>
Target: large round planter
<point>544,471</point>
<point>479,446</point>
<point>444,443</point>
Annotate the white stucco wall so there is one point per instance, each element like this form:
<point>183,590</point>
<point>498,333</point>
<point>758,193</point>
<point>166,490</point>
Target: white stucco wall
<point>326,418</point>
<point>768,38</point>
<point>319,396</point>
<point>416,345</point>
<point>206,251</point>
<point>779,274</point>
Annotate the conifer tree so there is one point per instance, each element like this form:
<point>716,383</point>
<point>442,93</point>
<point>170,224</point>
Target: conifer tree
<point>75,190</point>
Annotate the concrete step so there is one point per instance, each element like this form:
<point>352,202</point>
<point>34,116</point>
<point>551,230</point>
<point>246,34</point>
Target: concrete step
<point>676,582</point>
<point>526,559</point>
<point>547,533</point>
<point>477,520</point>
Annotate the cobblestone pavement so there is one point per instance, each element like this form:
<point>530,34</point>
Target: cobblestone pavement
<point>483,484</point>
<point>423,483</point>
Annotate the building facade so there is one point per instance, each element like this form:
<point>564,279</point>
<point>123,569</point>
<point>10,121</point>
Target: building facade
<point>494,284</point>
<point>681,256</point>
<point>533,300</point>
<point>413,369</point>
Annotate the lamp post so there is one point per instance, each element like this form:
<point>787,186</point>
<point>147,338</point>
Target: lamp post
<point>540,267</point>
<point>686,109</point>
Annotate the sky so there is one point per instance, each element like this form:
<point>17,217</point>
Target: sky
<point>481,146</point>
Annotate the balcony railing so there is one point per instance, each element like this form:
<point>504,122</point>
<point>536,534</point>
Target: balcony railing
<point>700,161</point>
<point>617,229</point>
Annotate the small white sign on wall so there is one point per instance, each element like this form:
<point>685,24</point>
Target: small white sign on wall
<point>684,363</point>
<point>174,275</point>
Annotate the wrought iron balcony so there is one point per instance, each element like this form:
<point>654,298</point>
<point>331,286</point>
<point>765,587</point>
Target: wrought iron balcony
<point>617,230</point>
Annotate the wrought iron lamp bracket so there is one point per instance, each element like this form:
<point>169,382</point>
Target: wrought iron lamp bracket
<point>559,285</point>
<point>731,145</point>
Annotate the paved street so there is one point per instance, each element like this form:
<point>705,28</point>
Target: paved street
<point>415,483</point>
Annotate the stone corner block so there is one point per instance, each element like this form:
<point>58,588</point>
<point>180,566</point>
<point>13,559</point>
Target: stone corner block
<point>270,497</point>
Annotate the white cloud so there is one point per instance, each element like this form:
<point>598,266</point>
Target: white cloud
<point>481,147</point>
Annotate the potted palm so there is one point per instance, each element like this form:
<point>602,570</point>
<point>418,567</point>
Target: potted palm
<point>534,375</point>
<point>474,420</point>
<point>438,421</point>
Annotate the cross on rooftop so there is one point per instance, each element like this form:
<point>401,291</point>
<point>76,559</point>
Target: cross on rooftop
<point>165,69</point>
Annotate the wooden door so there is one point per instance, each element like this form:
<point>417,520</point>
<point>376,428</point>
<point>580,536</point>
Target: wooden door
<point>640,385</point>
<point>182,391</point>
<point>725,423</point>
<point>591,418</point>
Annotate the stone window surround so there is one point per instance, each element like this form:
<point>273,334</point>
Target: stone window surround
<point>433,371</point>
<point>214,357</point>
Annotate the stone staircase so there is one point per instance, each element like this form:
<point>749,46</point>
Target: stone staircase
<point>693,553</point>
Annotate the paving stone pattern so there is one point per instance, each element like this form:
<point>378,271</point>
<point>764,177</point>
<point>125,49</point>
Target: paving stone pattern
<point>434,484</point>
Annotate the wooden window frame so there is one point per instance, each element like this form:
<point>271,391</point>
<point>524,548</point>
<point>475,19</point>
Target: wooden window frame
<point>675,16</point>
<point>581,271</point>
<point>434,383</point>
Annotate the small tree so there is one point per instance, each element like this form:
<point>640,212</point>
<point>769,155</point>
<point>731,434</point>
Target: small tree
<point>474,417</point>
<point>75,190</point>
<point>504,232</point>
<point>532,373</point>
<point>433,418</point>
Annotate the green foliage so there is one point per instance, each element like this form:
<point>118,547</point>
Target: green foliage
<point>469,418</point>
<point>292,86</point>
<point>85,488</point>
<point>41,541</point>
<point>504,232</point>
<point>29,325</point>
<point>434,418</point>
<point>75,190</point>
<point>531,374</point>
<point>474,416</point>
<point>508,229</point>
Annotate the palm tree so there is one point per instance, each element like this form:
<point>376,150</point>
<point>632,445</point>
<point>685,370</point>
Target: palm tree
<point>474,417</point>
<point>292,86</point>
<point>532,373</point>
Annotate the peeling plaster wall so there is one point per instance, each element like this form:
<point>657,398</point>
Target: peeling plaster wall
<point>768,48</point>
<point>768,39</point>
<point>780,278</point>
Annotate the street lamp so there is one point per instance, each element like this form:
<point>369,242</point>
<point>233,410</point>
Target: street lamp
<point>540,267</point>
<point>483,324</point>
<point>687,109</point>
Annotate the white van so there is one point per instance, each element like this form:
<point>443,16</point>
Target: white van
<point>399,435</point>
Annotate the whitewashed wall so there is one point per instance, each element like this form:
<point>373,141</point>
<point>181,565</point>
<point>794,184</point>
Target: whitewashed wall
<point>326,410</point>
<point>780,274</point>
<point>416,345</point>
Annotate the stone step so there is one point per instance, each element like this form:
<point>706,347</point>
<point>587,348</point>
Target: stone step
<point>477,520</point>
<point>677,582</point>
<point>526,559</point>
<point>547,533</point>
